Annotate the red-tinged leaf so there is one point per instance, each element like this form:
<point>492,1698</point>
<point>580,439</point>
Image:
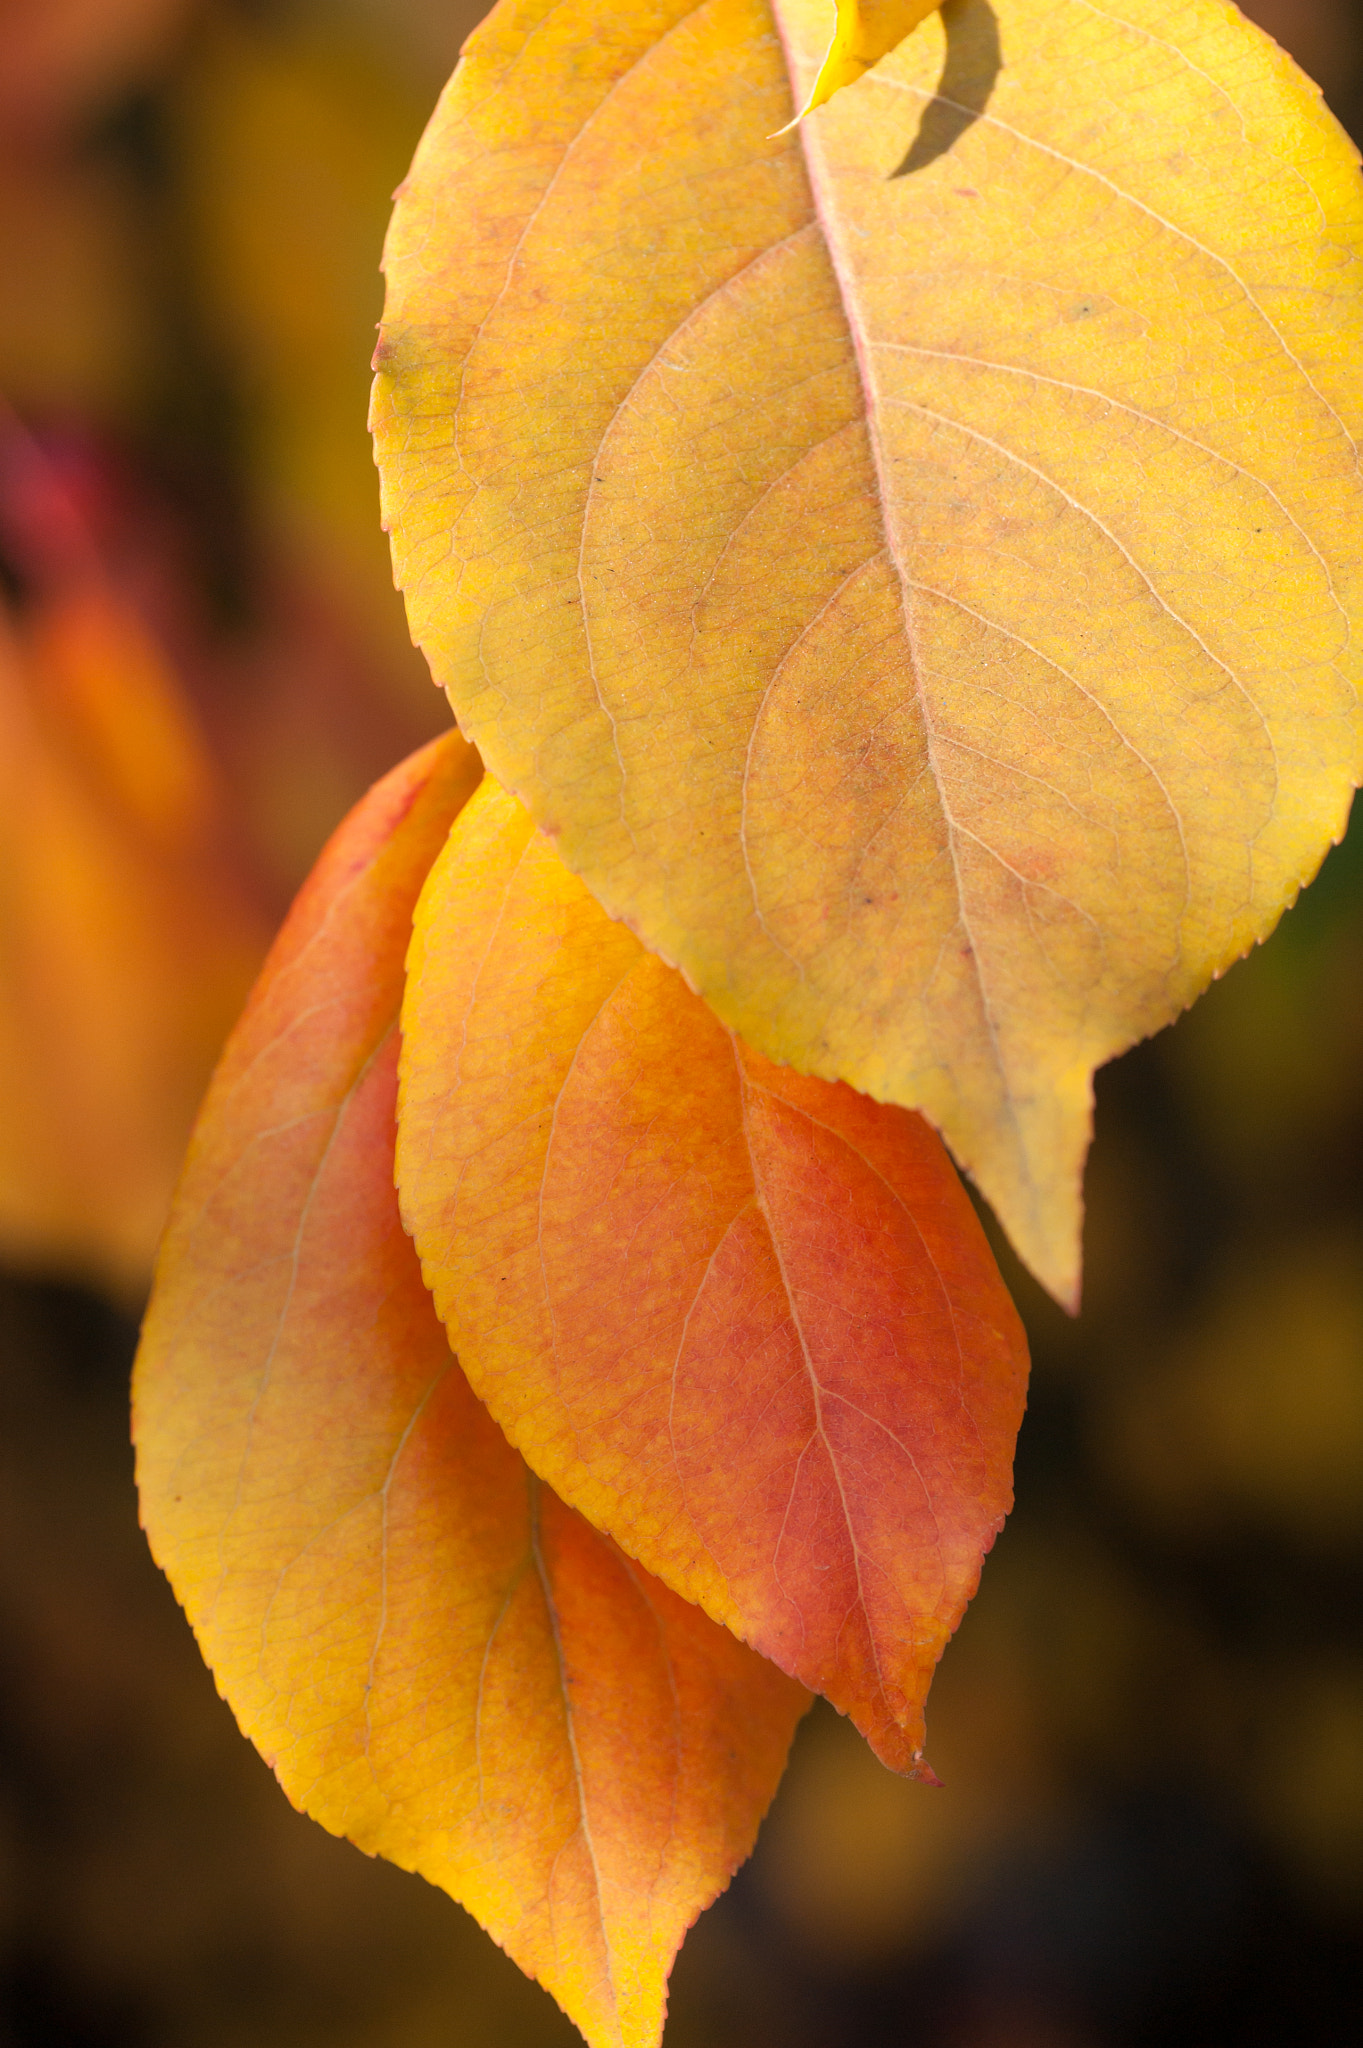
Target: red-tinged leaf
<point>440,1660</point>
<point>746,1321</point>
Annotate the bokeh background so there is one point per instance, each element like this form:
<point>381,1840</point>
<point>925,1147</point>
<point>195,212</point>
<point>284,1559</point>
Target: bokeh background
<point>1150,1726</point>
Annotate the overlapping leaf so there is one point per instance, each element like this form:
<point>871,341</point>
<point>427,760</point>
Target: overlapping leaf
<point>439,1658</point>
<point>745,1320</point>
<point>908,563</point>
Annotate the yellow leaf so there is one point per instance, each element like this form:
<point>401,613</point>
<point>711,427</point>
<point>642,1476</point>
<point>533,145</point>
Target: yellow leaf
<point>908,564</point>
<point>864,31</point>
<point>291,137</point>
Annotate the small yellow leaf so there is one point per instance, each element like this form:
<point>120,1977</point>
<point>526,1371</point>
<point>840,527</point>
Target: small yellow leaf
<point>863,32</point>
<point>127,934</point>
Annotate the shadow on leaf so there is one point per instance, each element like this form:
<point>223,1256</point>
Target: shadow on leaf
<point>972,66</point>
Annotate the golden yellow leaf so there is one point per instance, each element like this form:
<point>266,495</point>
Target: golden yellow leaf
<point>908,564</point>
<point>864,31</point>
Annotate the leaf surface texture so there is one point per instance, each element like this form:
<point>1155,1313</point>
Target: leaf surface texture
<point>907,564</point>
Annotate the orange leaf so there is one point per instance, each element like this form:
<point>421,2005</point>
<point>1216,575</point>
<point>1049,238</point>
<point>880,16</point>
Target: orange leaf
<point>127,938</point>
<point>909,564</point>
<point>747,1322</point>
<point>439,1659</point>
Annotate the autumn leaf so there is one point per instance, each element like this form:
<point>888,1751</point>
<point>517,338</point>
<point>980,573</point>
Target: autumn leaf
<point>746,1321</point>
<point>127,938</point>
<point>440,1659</point>
<point>864,31</point>
<point>906,564</point>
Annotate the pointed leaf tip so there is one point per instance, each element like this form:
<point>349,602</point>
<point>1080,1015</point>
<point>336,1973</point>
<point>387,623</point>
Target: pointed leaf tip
<point>745,1321</point>
<point>864,31</point>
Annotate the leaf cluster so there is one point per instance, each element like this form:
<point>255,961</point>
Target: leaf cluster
<point>896,564</point>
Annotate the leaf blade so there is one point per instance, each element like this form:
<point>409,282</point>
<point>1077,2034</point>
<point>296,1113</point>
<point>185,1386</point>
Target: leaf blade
<point>438,1658</point>
<point>969,533</point>
<point>745,1321</point>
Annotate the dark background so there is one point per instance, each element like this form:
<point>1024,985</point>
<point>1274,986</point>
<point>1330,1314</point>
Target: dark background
<point>1150,1726</point>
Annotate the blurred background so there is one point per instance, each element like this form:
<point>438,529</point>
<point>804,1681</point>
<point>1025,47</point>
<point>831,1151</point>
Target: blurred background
<point>1150,1726</point>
